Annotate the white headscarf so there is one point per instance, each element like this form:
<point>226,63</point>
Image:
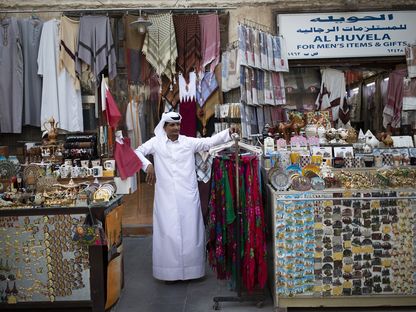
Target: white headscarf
<point>166,117</point>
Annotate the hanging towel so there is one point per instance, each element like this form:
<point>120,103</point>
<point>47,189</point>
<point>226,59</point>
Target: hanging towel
<point>263,50</point>
<point>210,40</point>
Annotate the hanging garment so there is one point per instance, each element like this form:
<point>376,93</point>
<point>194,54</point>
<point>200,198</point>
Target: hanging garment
<point>31,29</point>
<point>250,47</point>
<point>243,88</point>
<point>260,87</point>
<point>60,100</point>
<point>393,108</point>
<point>279,93</point>
<point>96,46</point>
<point>188,36</point>
<point>187,109</point>
<point>68,48</point>
<point>208,110</point>
<point>233,79</point>
<point>222,253</point>
<point>170,91</point>
<point>135,120</point>
<point>210,40</point>
<point>126,159</point>
<point>280,54</point>
<point>207,86</point>
<point>11,77</point>
<point>409,94</point>
<point>410,52</point>
<point>332,91</point>
<point>270,57</point>
<point>133,38</point>
<point>178,248</point>
<point>133,66</point>
<point>263,50</point>
<point>242,45</point>
<point>257,48</point>
<point>160,45</point>
<point>225,57</point>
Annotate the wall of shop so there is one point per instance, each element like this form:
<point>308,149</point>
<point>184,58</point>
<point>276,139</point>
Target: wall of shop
<point>262,12</point>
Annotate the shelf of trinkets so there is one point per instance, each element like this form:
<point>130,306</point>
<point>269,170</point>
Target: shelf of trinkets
<point>334,245</point>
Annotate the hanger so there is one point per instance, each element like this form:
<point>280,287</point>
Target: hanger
<point>236,140</point>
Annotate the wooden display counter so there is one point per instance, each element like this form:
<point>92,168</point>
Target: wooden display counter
<point>43,268</point>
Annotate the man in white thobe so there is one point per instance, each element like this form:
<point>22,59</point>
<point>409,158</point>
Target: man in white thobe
<point>178,227</point>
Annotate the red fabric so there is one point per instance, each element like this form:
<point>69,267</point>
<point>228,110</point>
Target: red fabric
<point>126,159</point>
<point>112,113</point>
<point>187,109</point>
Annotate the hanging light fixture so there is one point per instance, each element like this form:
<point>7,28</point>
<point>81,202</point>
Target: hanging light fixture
<point>142,23</point>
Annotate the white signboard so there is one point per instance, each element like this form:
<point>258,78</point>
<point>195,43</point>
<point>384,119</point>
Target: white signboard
<point>354,34</point>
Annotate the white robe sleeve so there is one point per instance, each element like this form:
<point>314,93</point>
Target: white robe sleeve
<point>204,144</point>
<point>143,150</point>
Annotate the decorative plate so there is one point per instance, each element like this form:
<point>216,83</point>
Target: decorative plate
<point>300,183</point>
<point>31,173</point>
<point>279,180</point>
<point>293,169</point>
<point>7,169</point>
<point>313,168</point>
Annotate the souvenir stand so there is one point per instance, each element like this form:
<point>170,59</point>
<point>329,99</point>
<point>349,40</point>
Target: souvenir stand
<point>342,233</point>
<point>43,267</point>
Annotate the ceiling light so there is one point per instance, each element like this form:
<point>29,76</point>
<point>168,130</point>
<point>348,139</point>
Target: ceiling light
<point>141,23</point>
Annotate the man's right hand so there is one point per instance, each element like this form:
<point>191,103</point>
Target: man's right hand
<point>150,175</point>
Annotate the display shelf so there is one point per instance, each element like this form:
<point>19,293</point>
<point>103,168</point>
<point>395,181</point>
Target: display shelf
<point>343,247</point>
<point>50,270</point>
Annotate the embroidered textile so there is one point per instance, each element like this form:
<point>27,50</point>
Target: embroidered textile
<point>222,253</point>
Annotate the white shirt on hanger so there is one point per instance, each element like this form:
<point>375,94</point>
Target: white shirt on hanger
<point>59,97</point>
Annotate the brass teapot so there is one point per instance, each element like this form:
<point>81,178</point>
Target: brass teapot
<point>52,127</point>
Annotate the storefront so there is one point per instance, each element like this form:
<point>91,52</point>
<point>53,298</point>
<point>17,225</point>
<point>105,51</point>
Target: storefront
<point>341,195</point>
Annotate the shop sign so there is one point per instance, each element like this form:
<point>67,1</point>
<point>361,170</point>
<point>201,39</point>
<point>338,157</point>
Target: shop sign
<point>350,34</point>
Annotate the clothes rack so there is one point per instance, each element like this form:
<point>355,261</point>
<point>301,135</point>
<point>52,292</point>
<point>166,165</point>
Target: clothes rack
<point>259,298</point>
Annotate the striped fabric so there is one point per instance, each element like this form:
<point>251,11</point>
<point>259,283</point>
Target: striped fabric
<point>68,47</point>
<point>160,45</point>
<point>188,36</point>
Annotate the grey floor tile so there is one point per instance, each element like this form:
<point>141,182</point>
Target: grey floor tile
<point>143,293</point>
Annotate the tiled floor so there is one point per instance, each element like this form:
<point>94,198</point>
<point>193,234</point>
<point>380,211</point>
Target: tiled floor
<point>142,293</point>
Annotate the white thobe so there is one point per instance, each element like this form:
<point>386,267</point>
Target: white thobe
<point>60,100</point>
<point>178,227</point>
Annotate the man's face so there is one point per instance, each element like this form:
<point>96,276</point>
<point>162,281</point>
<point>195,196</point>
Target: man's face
<point>172,129</point>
